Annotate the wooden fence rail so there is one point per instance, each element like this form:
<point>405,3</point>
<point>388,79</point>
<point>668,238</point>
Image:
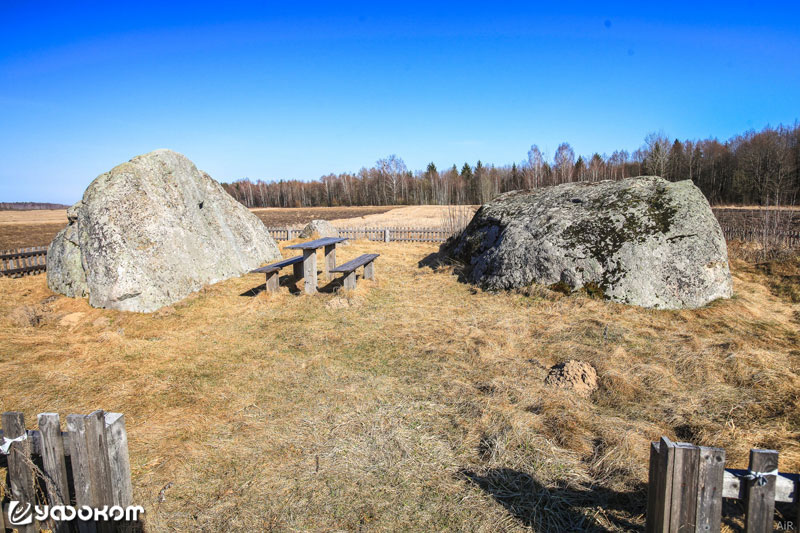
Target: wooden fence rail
<point>387,234</point>
<point>23,261</point>
<point>87,465</point>
<point>687,484</point>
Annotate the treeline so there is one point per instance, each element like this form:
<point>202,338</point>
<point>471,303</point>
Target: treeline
<point>28,206</point>
<point>755,168</point>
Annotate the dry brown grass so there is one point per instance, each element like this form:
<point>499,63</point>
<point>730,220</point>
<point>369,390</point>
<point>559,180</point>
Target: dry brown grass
<point>418,405</point>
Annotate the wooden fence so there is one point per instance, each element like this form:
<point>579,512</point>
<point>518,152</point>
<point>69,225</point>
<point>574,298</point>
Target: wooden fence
<point>787,239</point>
<point>391,234</point>
<point>687,484</point>
<point>23,261</point>
<point>92,454</point>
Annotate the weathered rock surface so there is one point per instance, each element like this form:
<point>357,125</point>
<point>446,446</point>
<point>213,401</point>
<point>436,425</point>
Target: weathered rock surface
<point>320,228</point>
<point>150,232</point>
<point>642,241</point>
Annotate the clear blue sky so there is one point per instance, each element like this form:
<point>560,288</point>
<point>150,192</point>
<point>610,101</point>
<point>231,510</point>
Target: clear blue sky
<point>271,90</point>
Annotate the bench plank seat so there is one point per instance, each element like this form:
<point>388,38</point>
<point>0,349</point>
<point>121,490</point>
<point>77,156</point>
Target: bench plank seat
<point>355,263</point>
<point>274,267</point>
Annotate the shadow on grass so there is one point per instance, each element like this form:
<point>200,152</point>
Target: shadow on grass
<point>295,286</point>
<point>561,508</point>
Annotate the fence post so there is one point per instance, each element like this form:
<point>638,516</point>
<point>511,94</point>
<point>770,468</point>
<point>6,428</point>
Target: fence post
<point>79,458</point>
<point>386,235</point>
<point>19,470</point>
<point>672,487</point>
<point>661,488</point>
<point>710,479</point>
<point>117,440</point>
<point>684,488</point>
<point>54,465</point>
<point>760,498</point>
<point>652,486</point>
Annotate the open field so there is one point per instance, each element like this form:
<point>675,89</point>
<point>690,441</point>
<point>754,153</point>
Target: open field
<point>414,216</point>
<point>415,403</point>
<point>300,216</point>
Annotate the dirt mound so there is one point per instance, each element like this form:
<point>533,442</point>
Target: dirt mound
<point>574,375</point>
<point>343,302</point>
<point>30,315</point>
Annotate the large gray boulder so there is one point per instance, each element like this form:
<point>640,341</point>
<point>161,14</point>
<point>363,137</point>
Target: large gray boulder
<point>642,241</point>
<point>321,228</point>
<point>150,232</point>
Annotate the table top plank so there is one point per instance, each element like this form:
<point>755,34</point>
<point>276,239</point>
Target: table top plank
<point>318,243</point>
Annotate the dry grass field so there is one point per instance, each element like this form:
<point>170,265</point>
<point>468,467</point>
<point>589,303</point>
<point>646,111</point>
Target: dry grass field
<point>414,403</point>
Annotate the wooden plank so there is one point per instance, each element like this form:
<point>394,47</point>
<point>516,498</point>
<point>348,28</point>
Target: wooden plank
<point>35,439</point>
<point>119,460</point>
<point>369,270</point>
<point>652,487</point>
<point>310,271</point>
<point>20,474</point>
<point>318,243</point>
<point>760,494</point>
<point>273,281</point>
<point>683,506</point>
<point>350,280</point>
<point>22,252</point>
<point>76,425</point>
<point>329,261</point>
<point>355,263</point>
<point>55,468</point>
<point>711,473</point>
<point>274,267</point>
<point>99,466</point>
<point>664,493</point>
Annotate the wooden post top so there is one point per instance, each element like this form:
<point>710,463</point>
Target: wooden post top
<point>318,243</point>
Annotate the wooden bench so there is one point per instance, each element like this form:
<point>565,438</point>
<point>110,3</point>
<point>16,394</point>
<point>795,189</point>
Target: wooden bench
<point>272,271</point>
<point>349,269</point>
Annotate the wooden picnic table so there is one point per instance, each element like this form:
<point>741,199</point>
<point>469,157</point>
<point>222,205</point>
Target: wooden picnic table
<point>310,259</point>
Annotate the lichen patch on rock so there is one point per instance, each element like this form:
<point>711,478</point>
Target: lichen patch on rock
<point>643,241</point>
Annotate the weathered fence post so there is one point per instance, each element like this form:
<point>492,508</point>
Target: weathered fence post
<point>97,446</point>
<point>117,440</point>
<point>386,235</point>
<point>711,474</point>
<point>687,484</point>
<point>54,465</point>
<point>760,491</point>
<point>19,469</point>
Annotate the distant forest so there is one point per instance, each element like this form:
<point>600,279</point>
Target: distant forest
<point>27,206</point>
<point>755,168</point>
